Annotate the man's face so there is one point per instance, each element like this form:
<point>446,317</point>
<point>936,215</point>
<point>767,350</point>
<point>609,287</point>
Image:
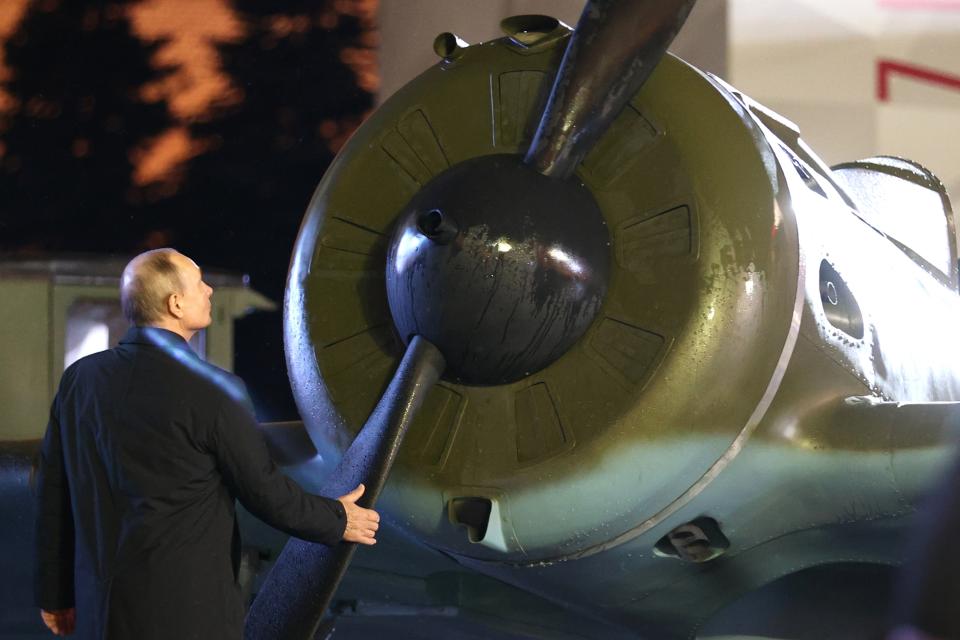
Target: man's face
<point>195,298</point>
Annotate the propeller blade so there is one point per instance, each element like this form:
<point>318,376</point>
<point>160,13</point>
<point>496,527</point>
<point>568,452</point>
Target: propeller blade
<point>302,582</point>
<point>615,47</point>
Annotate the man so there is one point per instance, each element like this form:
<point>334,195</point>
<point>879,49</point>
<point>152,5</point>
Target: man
<point>146,450</point>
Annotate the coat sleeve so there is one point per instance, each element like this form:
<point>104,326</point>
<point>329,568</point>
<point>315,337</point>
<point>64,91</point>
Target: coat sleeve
<point>261,487</point>
<point>54,528</point>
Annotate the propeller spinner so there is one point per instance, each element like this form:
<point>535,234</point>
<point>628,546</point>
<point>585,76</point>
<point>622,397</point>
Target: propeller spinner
<point>498,264</point>
<point>500,267</point>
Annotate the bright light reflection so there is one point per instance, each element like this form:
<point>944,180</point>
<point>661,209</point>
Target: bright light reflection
<point>503,246</point>
<point>749,287</point>
<point>407,248</point>
<point>95,337</point>
<point>565,259</point>
<point>710,313</point>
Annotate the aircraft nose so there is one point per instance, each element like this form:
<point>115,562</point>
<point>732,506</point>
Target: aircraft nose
<point>500,267</point>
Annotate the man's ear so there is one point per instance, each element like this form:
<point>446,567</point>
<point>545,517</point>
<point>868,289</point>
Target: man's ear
<point>173,305</point>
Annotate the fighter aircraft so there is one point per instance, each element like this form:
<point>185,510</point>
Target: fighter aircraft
<point>659,358</point>
<point>621,341</point>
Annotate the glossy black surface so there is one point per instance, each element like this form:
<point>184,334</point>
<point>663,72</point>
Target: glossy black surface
<point>612,52</point>
<point>298,589</point>
<point>500,267</point>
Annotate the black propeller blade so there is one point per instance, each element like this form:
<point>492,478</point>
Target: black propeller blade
<point>615,47</point>
<point>306,575</point>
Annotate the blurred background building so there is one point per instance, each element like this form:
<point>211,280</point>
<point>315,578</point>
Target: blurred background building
<point>200,124</point>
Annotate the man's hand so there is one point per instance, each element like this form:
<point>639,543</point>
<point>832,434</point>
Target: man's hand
<point>362,524</point>
<point>60,622</point>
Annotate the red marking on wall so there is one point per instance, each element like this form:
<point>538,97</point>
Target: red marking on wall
<point>888,68</point>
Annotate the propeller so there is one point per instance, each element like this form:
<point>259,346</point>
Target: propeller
<point>301,584</point>
<point>551,269</point>
<point>616,46</point>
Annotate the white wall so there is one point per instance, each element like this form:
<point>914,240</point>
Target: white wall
<point>817,62</point>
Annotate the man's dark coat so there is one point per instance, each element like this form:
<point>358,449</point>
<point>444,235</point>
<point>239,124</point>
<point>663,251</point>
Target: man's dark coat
<point>146,450</point>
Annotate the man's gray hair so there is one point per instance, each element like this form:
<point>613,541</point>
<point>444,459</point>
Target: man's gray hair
<point>147,283</point>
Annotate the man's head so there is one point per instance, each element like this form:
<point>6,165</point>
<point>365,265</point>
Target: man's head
<point>164,288</point>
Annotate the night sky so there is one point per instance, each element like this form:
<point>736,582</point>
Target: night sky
<point>203,125</point>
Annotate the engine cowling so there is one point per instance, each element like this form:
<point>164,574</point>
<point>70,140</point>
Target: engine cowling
<point>637,405</point>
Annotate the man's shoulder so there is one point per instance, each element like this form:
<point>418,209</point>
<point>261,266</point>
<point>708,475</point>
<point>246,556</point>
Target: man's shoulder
<point>218,383</point>
<point>212,372</point>
<point>173,368</point>
<point>216,372</point>
<point>94,361</point>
